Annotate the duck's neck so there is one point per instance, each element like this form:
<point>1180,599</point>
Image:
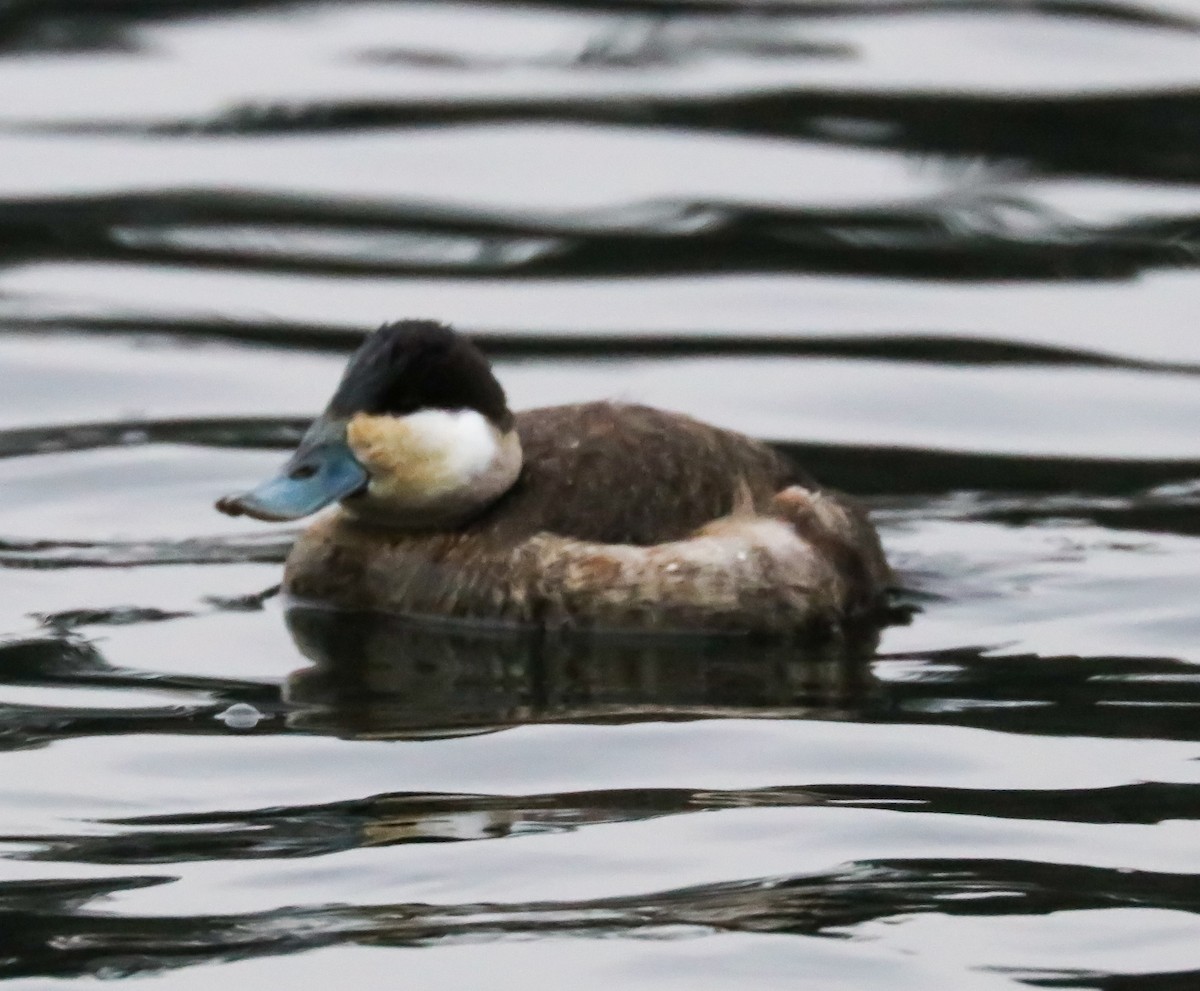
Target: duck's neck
<point>430,470</point>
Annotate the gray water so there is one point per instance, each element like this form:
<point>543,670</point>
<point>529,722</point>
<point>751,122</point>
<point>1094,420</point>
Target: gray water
<point>945,251</point>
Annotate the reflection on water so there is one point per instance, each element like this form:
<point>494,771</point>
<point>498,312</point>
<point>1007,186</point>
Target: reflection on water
<point>383,679</point>
<point>971,233</point>
<point>943,252</point>
<point>375,677</point>
<point>820,905</point>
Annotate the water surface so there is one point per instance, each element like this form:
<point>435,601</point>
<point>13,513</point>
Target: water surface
<point>945,252</point>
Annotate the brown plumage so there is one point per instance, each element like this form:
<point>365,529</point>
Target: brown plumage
<point>627,474</point>
<point>622,517</point>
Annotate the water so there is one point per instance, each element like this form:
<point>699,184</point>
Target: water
<point>946,251</point>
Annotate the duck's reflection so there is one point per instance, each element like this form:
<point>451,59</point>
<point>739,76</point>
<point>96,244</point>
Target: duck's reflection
<point>389,677</point>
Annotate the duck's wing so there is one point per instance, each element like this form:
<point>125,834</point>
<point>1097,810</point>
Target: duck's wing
<point>617,473</point>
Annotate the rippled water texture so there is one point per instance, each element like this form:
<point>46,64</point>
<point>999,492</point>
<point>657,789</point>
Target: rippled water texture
<point>947,251</point>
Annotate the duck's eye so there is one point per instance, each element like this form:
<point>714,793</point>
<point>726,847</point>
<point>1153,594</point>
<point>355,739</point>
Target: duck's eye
<point>302,472</point>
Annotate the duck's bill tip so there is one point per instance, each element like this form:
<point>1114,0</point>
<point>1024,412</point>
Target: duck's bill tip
<point>230,505</point>
<point>246,505</point>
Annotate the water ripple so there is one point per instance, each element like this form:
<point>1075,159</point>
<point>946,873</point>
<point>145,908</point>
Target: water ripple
<point>944,252</point>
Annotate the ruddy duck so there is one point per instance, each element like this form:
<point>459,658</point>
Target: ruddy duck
<point>604,516</point>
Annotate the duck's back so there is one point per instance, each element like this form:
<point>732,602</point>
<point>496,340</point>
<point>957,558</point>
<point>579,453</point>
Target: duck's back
<point>626,474</point>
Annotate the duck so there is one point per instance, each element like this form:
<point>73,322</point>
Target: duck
<point>595,516</point>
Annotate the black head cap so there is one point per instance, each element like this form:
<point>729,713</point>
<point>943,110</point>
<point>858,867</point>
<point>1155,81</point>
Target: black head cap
<point>419,364</point>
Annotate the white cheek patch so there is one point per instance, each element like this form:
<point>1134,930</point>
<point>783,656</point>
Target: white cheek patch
<point>463,441</point>
<point>431,468</point>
